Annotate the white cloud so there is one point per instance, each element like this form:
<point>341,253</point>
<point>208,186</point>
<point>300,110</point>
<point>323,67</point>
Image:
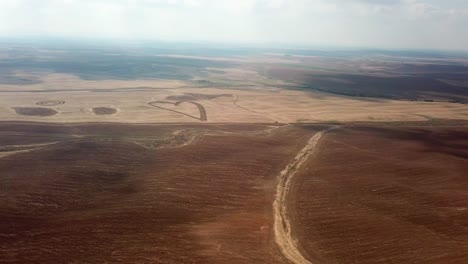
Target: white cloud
<point>384,23</point>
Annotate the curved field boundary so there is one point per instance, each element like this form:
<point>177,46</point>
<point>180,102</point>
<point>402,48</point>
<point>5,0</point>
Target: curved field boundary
<point>201,108</point>
<point>282,225</point>
<point>202,111</point>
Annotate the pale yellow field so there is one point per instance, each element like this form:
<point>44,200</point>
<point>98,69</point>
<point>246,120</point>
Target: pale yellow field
<point>58,81</point>
<point>246,105</point>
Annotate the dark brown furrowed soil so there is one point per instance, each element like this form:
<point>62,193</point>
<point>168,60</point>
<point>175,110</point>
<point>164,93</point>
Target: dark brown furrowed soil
<point>385,195</point>
<point>35,111</point>
<point>369,195</point>
<point>104,111</point>
<point>96,197</point>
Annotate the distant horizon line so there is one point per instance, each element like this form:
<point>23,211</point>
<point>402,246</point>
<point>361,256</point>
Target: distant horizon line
<point>224,44</point>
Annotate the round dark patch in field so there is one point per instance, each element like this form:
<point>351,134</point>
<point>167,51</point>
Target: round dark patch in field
<point>35,111</point>
<point>50,103</point>
<point>104,111</point>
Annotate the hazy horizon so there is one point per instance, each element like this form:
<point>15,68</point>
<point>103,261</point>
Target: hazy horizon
<point>386,24</point>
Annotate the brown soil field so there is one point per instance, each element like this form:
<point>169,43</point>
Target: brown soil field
<point>35,111</point>
<point>104,110</point>
<point>98,196</point>
<point>374,194</point>
<point>267,158</point>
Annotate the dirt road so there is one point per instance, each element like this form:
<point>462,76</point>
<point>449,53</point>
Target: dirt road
<point>282,226</point>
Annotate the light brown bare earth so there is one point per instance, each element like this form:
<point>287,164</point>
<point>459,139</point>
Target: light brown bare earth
<point>258,104</point>
<point>50,103</point>
<point>201,109</point>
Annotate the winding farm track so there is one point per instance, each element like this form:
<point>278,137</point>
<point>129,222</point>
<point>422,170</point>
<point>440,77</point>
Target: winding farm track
<point>282,226</point>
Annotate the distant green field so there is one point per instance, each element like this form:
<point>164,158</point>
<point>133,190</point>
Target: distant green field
<point>107,64</point>
<point>423,87</point>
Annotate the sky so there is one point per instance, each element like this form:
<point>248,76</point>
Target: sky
<point>407,24</point>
